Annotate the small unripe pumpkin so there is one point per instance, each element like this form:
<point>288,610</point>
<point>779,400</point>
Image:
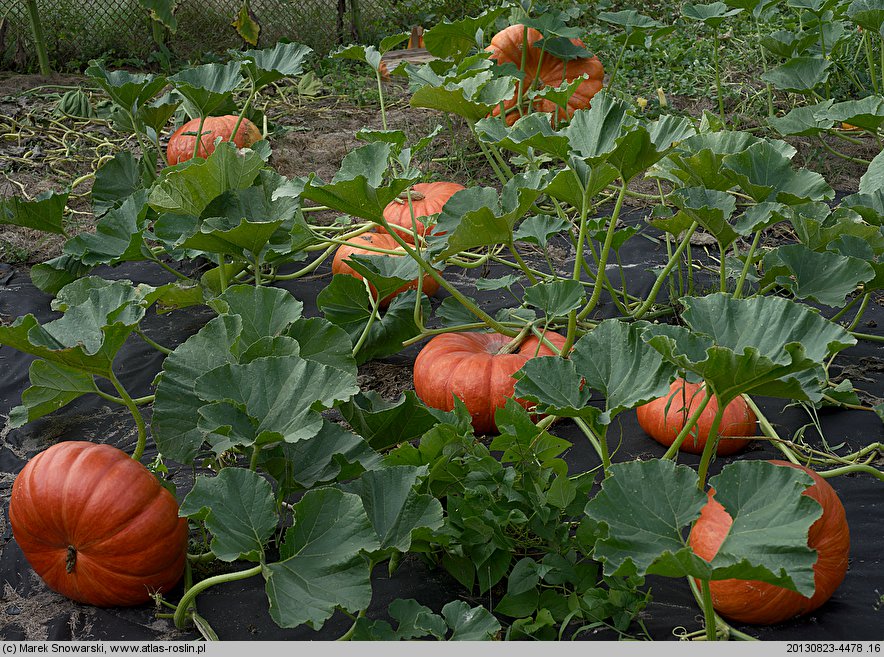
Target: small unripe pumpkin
<point>97,526</point>
<point>470,367</point>
<point>683,399</point>
<point>180,146</point>
<point>427,199</point>
<point>356,246</point>
<point>759,603</point>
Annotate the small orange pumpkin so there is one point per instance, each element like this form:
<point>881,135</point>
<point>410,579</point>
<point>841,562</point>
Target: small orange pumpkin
<point>683,399</point>
<point>356,246</point>
<point>759,603</point>
<point>506,46</point>
<point>471,367</point>
<point>427,199</point>
<point>180,147</point>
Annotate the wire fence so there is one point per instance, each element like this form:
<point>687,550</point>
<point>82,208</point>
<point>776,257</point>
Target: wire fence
<point>76,31</point>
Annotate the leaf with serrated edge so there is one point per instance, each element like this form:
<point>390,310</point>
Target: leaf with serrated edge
<point>238,508</point>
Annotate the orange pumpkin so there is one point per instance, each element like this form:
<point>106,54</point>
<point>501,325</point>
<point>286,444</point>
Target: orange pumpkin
<point>471,367</point>
<point>356,246</point>
<point>759,603</point>
<point>180,147</point>
<point>97,526</point>
<point>683,399</point>
<point>427,199</point>
<point>506,46</point>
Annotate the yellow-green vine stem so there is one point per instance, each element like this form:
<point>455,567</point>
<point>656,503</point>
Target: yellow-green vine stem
<point>199,136</point>
<point>129,403</point>
<point>711,444</point>
<point>738,290</point>
<point>688,426</point>
<point>768,430</point>
<point>676,258</point>
<point>708,611</point>
<point>600,443</point>
<point>180,616</point>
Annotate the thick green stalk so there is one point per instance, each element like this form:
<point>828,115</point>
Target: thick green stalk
<point>610,86</point>
<point>603,256</point>
<point>521,68</point>
<point>861,311</point>
<point>688,425</point>
<point>242,114</point>
<point>739,288</point>
<point>722,274</point>
<point>39,40</point>
<point>180,616</point>
<point>129,403</point>
<point>453,291</point>
<point>377,75</point>
<point>870,62</point>
<point>718,77</point>
<point>522,264</point>
<point>196,142</point>
<point>768,430</point>
<point>708,611</point>
<point>711,444</point>
<point>598,443</point>
<point>155,345</point>
<point>676,258</point>
<point>575,274</point>
<point>770,106</point>
<point>848,469</point>
<point>375,302</point>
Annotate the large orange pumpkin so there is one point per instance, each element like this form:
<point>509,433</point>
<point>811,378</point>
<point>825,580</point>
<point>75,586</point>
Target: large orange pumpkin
<point>506,46</point>
<point>356,246</point>
<point>470,367</point>
<point>758,603</point>
<point>426,199</point>
<point>683,399</point>
<point>97,526</point>
<point>180,147</point>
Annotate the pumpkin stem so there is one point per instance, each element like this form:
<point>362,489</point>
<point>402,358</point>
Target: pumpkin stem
<point>516,342</point>
<point>402,199</point>
<point>71,559</point>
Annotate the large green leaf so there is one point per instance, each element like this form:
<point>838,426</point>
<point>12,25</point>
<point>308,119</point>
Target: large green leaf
<point>162,11</point>
<point>556,299</point>
<point>868,14</point>
<point>456,39</point>
<point>713,14</point>
<point>52,386</point>
<point>394,506</point>
<point>470,88</point>
<point>188,189</point>
<point>532,131</point>
<point>709,208</point>
<point>238,508</point>
<point>479,217</point>
<point>176,407</point>
<point>45,212</point>
<point>579,182</point>
<point>116,180</point>
<point>873,179</point>
<point>593,133</point>
<point>128,90</point>
<point>821,276</point>
<point>98,317</point>
<point>358,188</point>
<point>321,567</point>
<point>384,424</point>
<point>799,75</point>
<point>118,235</point>
<point>470,623</point>
<point>760,345</point>
<point>54,274</point>
<point>767,175</point>
<point>866,113</point>
<point>385,273</point>
<point>208,86</point>
<point>807,120</point>
<point>345,303</point>
<point>278,394</point>
<point>264,311</point>
<point>271,64</point>
<point>333,454</point>
<point>645,506</point>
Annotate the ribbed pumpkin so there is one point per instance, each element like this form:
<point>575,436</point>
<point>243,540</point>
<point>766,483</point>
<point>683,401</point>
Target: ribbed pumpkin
<point>356,246</point>
<point>427,199</point>
<point>758,603</point>
<point>180,146</point>
<point>506,47</point>
<point>683,399</point>
<point>97,526</point>
<point>469,366</point>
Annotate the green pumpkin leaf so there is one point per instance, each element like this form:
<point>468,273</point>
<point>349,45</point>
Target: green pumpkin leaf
<point>367,54</point>
<point>713,14</point>
<point>777,340</point>
<point>711,209</point>
<point>868,14</point>
<point>873,179</point>
<point>284,60</point>
<point>384,424</point>
<point>394,506</point>
<point>208,86</point>
<point>118,236</point>
<point>821,276</point>
<point>479,217</point>
<point>386,273</point>
<point>538,229</point>
<point>456,39</point>
<point>189,189</point>
<point>800,75</point>
<point>808,120</point>
<point>45,212</point>
<point>321,567</point>
<point>52,386</point>
<point>767,175</point>
<point>345,303</point>
<point>238,508</point>
<point>470,88</point>
<point>115,181</point>
<point>470,623</point>
<point>264,311</point>
<point>867,113</point>
<point>54,274</point>
<point>556,299</point>
<point>532,131</point>
<point>128,90</point>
